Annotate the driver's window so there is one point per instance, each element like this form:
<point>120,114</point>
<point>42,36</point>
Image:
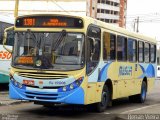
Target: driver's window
<point>93,48</point>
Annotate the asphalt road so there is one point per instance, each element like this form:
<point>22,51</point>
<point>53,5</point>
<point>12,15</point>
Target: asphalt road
<point>121,109</point>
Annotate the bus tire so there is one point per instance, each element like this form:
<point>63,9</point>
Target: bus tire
<point>142,96</point>
<point>105,99</point>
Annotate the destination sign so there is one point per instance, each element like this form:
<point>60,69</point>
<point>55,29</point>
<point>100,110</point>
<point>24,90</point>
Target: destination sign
<point>49,21</point>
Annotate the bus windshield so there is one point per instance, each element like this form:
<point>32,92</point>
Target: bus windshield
<point>48,50</point>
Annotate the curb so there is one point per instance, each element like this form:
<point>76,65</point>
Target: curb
<point>4,92</point>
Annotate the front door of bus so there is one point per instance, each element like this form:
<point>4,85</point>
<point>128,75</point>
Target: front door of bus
<point>93,56</point>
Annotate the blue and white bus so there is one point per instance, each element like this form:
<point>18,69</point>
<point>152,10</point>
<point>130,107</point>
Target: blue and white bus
<point>5,56</point>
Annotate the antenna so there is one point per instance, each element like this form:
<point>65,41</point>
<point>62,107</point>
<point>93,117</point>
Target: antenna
<point>16,8</point>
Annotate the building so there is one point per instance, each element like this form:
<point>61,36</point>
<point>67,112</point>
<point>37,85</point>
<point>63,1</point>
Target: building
<point>110,11</point>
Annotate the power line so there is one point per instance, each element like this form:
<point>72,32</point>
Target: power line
<point>148,14</point>
<point>55,2</point>
<point>146,20</point>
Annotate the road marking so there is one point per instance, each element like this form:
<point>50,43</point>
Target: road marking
<point>139,108</point>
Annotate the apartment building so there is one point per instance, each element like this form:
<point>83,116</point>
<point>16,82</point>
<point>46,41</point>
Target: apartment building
<point>110,11</point>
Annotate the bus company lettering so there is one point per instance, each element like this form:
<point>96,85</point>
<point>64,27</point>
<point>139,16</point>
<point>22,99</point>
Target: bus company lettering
<point>125,70</point>
<point>57,83</point>
<point>4,55</point>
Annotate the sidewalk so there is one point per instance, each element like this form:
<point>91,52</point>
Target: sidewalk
<point>5,100</point>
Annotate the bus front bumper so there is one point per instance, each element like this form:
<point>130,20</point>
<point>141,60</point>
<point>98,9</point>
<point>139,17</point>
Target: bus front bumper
<point>75,96</point>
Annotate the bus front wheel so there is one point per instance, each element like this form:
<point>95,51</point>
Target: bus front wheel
<point>105,99</point>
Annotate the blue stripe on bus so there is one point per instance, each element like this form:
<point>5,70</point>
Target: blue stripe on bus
<point>149,72</point>
<point>103,73</point>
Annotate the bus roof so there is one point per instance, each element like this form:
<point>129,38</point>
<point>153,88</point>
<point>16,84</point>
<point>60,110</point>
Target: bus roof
<point>7,19</point>
<point>119,30</point>
<point>110,27</point>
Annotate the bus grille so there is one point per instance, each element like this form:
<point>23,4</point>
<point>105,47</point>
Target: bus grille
<point>37,75</point>
<point>41,96</point>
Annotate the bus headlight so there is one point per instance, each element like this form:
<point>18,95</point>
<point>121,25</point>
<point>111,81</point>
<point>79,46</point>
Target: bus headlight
<point>64,88</point>
<point>71,86</point>
<point>15,83</point>
<point>78,83</point>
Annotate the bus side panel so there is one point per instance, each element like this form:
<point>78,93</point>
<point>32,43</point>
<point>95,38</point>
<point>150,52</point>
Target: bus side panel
<point>123,74</point>
<point>5,60</point>
<point>148,71</point>
<point>151,82</point>
<point>94,92</point>
<point>91,96</point>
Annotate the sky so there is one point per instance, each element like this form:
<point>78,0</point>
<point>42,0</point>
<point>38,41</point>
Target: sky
<point>149,16</point>
<point>148,12</point>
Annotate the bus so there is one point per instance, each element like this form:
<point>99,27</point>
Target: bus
<point>60,58</point>
<point>158,63</point>
<point>158,71</point>
<point>5,56</point>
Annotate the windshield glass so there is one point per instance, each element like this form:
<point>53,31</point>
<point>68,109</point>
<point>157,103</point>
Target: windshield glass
<point>56,51</point>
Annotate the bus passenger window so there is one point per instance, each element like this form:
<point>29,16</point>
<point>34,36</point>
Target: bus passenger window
<point>121,48</point>
<point>10,37</point>
<point>132,50</point>
<point>109,46</point>
<point>140,51</point>
<point>153,53</point>
<point>146,52</point>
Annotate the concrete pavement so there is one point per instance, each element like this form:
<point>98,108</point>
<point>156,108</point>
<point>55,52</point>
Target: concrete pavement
<point>122,109</point>
<point>5,100</point>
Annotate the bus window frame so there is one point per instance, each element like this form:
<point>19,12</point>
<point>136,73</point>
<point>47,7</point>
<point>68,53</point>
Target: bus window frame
<point>144,52</point>
<point>136,46</point>
<point>3,26</point>
<point>126,39</point>
<point>86,52</point>
<point>154,53</point>
<point>107,59</point>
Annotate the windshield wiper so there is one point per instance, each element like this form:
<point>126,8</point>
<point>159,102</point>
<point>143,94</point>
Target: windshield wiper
<point>59,40</point>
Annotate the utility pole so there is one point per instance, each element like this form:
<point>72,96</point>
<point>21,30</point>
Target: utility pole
<point>134,25</point>
<point>16,8</point>
<point>137,24</point>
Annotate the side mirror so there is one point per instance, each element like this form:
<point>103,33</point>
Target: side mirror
<point>8,39</point>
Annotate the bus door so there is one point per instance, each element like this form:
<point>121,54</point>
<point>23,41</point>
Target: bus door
<point>93,49</point>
